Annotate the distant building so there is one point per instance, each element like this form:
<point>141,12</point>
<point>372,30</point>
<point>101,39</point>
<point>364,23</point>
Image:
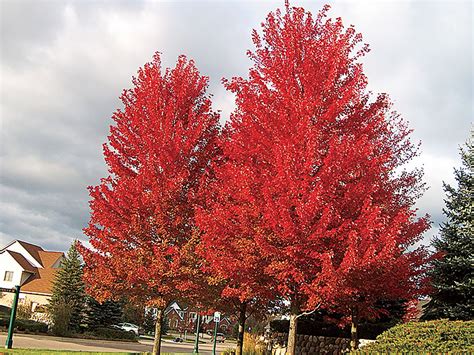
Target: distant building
<point>182,317</point>
<point>31,267</point>
<point>179,318</point>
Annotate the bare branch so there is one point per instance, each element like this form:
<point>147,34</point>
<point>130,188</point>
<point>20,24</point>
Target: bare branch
<point>310,312</point>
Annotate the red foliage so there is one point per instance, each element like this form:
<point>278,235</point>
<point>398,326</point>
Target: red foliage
<point>412,311</point>
<point>311,192</point>
<point>229,229</point>
<point>142,215</point>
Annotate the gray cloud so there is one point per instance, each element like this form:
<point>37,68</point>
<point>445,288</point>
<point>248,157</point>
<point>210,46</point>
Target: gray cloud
<point>25,24</point>
<point>64,64</point>
<point>421,55</point>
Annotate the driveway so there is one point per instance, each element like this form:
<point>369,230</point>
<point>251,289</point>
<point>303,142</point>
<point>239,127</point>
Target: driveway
<point>27,341</point>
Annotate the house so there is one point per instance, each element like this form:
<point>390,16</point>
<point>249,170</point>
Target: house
<point>183,318</point>
<point>225,325</point>
<point>31,267</point>
<point>180,317</point>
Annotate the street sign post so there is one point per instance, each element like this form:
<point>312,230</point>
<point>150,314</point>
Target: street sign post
<point>196,340</point>
<point>11,326</point>
<point>217,319</point>
<point>3,289</point>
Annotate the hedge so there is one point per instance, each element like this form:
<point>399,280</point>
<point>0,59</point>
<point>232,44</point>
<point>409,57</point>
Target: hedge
<point>31,326</point>
<point>311,327</point>
<point>111,333</point>
<point>4,310</point>
<point>438,336</point>
<point>25,325</point>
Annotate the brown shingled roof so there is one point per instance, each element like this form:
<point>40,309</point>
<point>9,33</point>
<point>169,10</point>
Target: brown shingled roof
<point>32,249</point>
<point>20,259</point>
<point>49,258</point>
<point>42,281</point>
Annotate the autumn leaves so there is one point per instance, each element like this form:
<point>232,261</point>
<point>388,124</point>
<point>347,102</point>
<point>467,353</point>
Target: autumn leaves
<point>298,198</point>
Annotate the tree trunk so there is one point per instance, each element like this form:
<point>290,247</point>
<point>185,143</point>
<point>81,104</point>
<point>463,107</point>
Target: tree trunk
<point>291,347</point>
<point>157,340</point>
<point>355,323</point>
<point>240,337</point>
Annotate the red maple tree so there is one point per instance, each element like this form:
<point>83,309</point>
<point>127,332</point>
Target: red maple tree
<point>141,228</point>
<point>376,262</point>
<point>313,160</point>
<point>229,224</point>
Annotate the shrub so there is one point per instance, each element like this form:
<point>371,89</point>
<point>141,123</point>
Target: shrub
<point>60,314</point>
<point>438,336</point>
<point>320,328</point>
<point>5,310</point>
<point>25,325</point>
<point>251,346</point>
<point>31,326</point>
<point>24,311</point>
<point>111,333</point>
<point>4,321</point>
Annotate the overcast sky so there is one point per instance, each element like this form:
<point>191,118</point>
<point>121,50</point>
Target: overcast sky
<point>64,64</point>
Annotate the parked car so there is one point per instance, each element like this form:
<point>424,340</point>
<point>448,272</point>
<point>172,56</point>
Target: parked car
<point>129,327</point>
<point>220,338</point>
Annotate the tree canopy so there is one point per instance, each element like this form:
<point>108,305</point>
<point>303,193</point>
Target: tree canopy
<point>142,228</point>
<point>310,173</point>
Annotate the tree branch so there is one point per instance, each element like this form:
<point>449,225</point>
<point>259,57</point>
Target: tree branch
<point>310,312</point>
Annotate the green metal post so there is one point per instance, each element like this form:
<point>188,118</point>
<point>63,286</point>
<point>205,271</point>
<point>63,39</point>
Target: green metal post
<point>215,338</point>
<point>196,340</point>
<point>11,326</point>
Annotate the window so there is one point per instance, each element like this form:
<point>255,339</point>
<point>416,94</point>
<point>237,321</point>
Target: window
<point>192,315</point>
<point>40,309</point>
<point>8,276</point>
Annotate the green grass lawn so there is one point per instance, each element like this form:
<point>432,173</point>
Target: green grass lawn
<point>63,352</point>
<point>59,352</point>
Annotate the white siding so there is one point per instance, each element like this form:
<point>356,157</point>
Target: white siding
<point>7,263</point>
<point>19,249</point>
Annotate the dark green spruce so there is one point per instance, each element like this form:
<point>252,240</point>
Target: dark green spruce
<point>101,314</point>
<point>67,301</point>
<point>453,275</point>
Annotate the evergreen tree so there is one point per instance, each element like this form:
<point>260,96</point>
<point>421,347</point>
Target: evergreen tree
<point>133,312</point>
<point>101,314</point>
<point>453,274</point>
<point>150,320</point>
<point>67,300</point>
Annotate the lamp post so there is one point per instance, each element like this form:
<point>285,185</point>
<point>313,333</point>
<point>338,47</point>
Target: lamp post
<point>11,326</point>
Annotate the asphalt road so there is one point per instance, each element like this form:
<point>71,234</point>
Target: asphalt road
<point>26,341</point>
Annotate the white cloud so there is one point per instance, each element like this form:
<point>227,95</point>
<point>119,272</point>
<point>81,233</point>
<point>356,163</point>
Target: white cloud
<point>64,64</point>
